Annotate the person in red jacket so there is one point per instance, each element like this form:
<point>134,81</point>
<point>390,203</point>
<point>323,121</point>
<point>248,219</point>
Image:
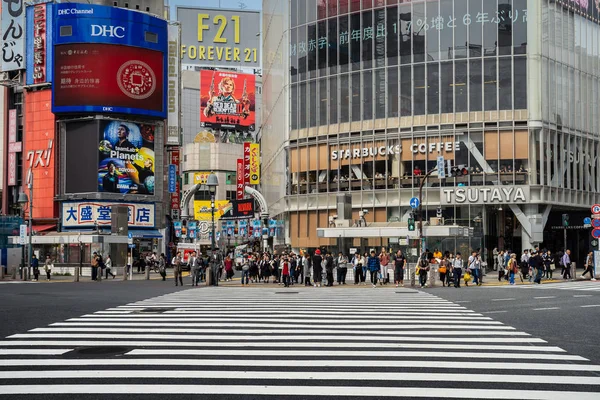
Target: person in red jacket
<point>285,271</point>
<point>228,268</point>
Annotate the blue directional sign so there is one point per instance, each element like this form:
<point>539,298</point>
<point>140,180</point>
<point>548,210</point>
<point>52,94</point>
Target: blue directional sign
<point>129,236</point>
<point>587,221</point>
<point>172,178</point>
<point>441,168</point>
<point>414,202</point>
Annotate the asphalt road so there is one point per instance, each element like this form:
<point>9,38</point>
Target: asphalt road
<point>272,342</point>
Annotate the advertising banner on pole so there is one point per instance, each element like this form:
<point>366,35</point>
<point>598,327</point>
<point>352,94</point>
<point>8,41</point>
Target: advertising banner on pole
<point>239,179</point>
<point>39,44</point>
<point>246,163</point>
<point>12,149</point>
<point>172,178</point>
<point>174,87</point>
<point>227,100</point>
<point>254,164</point>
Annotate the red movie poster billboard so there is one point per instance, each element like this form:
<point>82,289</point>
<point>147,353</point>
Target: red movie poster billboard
<point>227,100</point>
<point>108,78</point>
<point>240,179</point>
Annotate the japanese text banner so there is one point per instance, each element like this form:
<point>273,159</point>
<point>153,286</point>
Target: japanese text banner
<point>81,214</point>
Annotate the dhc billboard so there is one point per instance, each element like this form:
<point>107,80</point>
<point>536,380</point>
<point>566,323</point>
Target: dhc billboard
<point>108,60</point>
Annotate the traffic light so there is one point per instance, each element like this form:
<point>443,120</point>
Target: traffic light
<point>458,170</point>
<point>411,224</point>
<point>565,220</point>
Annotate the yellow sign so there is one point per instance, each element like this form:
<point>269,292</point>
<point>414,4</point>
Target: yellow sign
<point>202,210</point>
<point>201,178</point>
<point>254,164</point>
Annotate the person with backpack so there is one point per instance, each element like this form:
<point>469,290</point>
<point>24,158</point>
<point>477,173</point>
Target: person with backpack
<point>176,263</point>
<point>423,265</point>
<point>589,265</point>
<point>374,266</point>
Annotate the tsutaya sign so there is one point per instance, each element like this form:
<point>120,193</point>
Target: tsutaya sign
<point>415,148</point>
<point>486,195</point>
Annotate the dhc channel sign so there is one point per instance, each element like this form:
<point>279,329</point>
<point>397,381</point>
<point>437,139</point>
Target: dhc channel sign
<point>132,82</point>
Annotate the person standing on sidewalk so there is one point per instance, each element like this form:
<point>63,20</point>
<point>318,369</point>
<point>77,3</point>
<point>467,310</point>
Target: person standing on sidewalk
<point>35,266</point>
<point>566,264</point>
<point>48,265</point>
<point>457,266</point>
<point>329,268</point>
<point>475,267</point>
<point>108,267</point>
<point>537,262</point>
<point>548,260</point>
<point>94,265</point>
<point>513,268</point>
<point>374,266</point>
<point>444,270</point>
<point>358,270</point>
<point>384,260</point>
<point>589,265</point>
<point>306,268</point>
<point>399,267</point>
<point>194,268</point>
<point>162,266</point>
<point>423,265</point>
<point>524,263</point>
<point>245,270</point>
<point>317,261</point>
<point>176,263</point>
<point>342,269</point>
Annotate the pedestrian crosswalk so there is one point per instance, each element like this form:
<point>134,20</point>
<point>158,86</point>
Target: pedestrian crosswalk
<point>593,286</point>
<point>302,343</point>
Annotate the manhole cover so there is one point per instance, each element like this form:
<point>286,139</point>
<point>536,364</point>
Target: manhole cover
<point>154,310</point>
<point>98,351</point>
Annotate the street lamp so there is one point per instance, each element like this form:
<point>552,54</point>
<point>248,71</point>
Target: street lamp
<point>212,182</point>
<point>22,200</point>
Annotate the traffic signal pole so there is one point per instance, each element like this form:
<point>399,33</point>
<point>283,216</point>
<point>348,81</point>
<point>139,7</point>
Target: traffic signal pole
<point>421,244</point>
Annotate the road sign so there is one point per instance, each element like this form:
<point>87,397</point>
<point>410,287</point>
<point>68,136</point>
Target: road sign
<point>587,221</point>
<point>594,243</point>
<point>441,169</point>
<point>596,209</point>
<point>172,178</point>
<point>131,246</point>
<point>414,203</point>
<point>596,233</point>
<point>596,223</point>
<point>22,234</point>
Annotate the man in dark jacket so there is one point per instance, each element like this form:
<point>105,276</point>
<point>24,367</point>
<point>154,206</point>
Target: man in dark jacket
<point>329,268</point>
<point>373,265</point>
<point>317,269</point>
<point>537,264</point>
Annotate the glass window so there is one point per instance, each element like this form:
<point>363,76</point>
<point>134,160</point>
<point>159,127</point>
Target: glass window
<point>433,88</point>
<point>324,98</point>
<point>460,87</point>
<point>333,100</point>
<point>344,98</point>
<point>343,38</point>
<point>330,39</point>
<point>405,92</point>
<point>504,27</point>
<point>460,32</point>
<point>312,96</point>
<point>367,39</point>
<point>311,10</point>
<point>447,78</point>
<point>311,47</point>
<point>354,5</point>
<point>446,36</point>
<point>344,7</point>
<point>380,95</point>
<point>322,9</point>
<point>519,27</point>
<point>302,53</point>
<point>322,47</point>
<point>505,83</point>
<point>475,29</point>
<point>356,97</point>
<point>418,27</point>
<point>301,12</point>
<point>303,110</point>
<point>332,8</point>
<point>405,34</point>
<point>379,34</point>
<point>294,107</point>
<point>294,55</point>
<point>367,97</point>
<point>433,34</point>
<point>392,97</point>
<point>392,35</point>
<point>355,39</point>
<point>490,30</point>
<point>419,89</point>
<point>489,85</point>
<point>475,85</point>
<point>294,14</point>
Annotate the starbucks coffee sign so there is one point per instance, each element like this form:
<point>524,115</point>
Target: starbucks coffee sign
<point>387,150</point>
<point>486,195</point>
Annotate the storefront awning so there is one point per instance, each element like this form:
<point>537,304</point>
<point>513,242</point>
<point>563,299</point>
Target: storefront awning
<point>42,228</point>
<point>145,234</point>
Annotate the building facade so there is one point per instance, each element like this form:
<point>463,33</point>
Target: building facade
<point>375,91</point>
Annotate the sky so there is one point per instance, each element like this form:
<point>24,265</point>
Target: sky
<point>229,4</point>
